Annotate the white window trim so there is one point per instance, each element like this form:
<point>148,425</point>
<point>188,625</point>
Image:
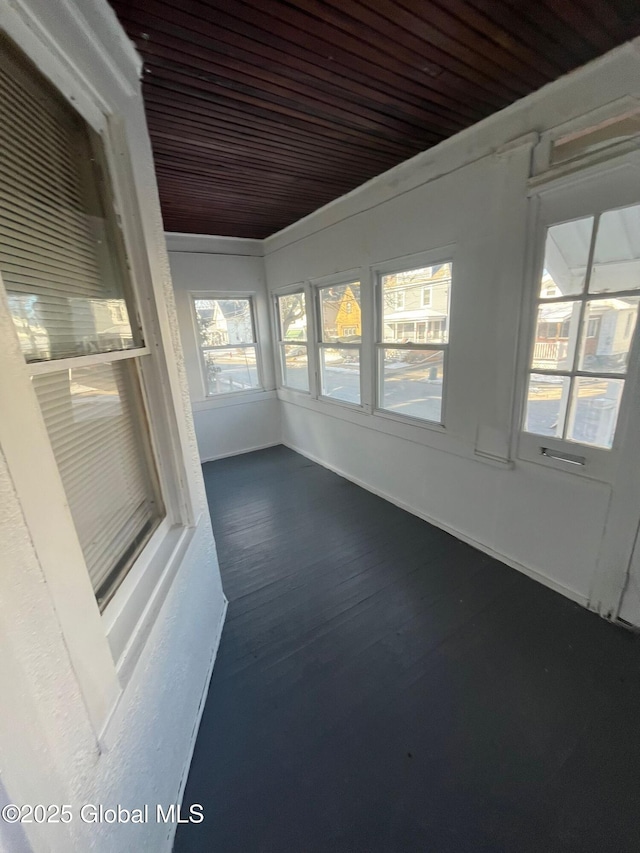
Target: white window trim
<point>101,673</point>
<point>430,258</point>
<point>563,199</point>
<point>251,295</point>
<point>335,280</point>
<point>420,432</point>
<point>427,290</point>
<point>300,287</point>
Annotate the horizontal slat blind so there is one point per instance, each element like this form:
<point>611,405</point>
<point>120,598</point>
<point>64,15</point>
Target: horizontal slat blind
<point>93,418</point>
<point>66,280</point>
<point>56,258</point>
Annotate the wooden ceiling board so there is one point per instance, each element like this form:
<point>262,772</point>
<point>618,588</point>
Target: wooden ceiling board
<point>262,111</point>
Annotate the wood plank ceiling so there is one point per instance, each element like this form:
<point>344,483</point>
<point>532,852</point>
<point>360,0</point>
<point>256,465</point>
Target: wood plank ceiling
<point>261,111</point>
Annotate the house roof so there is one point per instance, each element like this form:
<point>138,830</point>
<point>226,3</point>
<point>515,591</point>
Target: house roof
<point>558,312</point>
<point>414,314</point>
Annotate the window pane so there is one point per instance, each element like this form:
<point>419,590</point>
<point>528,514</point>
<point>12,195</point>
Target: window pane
<point>94,419</point>
<point>58,255</point>
<point>230,370</point>
<point>340,313</point>
<point>594,410</point>
<point>556,335</point>
<point>415,305</point>
<point>607,334</point>
<point>546,403</point>
<point>566,255</point>
<point>224,322</point>
<point>295,367</point>
<point>340,371</point>
<point>412,383</point>
<point>293,317</point>
<point>616,257</point>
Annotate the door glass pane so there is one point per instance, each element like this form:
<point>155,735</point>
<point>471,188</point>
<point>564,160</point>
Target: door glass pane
<point>566,254</point>
<point>415,305</point>
<point>607,334</point>
<point>340,372</point>
<point>293,317</point>
<point>340,316</point>
<point>224,321</point>
<point>546,403</point>
<point>555,337</point>
<point>616,256</point>
<point>230,370</point>
<point>412,382</point>
<point>594,410</point>
<point>295,367</point>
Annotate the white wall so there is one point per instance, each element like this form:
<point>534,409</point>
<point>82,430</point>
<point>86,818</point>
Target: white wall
<point>201,264</point>
<point>470,193</point>
<point>50,749</point>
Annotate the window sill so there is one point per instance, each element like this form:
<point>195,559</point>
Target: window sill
<point>344,404</point>
<point>130,616</point>
<point>291,390</point>
<point>236,398</point>
<point>420,423</point>
<point>131,613</point>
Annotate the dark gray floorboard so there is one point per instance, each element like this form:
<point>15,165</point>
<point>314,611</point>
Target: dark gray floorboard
<point>383,687</point>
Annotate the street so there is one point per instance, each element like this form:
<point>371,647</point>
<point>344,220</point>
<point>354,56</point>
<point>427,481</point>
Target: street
<point>415,390</point>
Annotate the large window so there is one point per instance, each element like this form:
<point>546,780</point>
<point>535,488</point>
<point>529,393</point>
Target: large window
<point>228,345</point>
<point>585,320</point>
<point>63,269</point>
<point>292,340</point>
<point>412,341</point>
<point>339,341</point>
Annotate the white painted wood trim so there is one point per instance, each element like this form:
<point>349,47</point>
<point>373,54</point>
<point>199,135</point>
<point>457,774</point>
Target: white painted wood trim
<point>237,398</point>
<point>37,368</point>
<point>241,452</point>
<point>209,244</point>
<point>38,485</point>
<point>196,726</point>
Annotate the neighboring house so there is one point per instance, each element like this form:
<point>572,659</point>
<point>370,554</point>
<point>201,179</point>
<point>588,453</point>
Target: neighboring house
<point>608,329</point>
<point>416,304</point>
<point>348,318</point>
<point>97,325</point>
<point>341,314</point>
<point>225,323</point>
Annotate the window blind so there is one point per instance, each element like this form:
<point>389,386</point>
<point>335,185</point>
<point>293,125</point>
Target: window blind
<point>66,281</point>
<point>93,415</point>
<point>56,254</point>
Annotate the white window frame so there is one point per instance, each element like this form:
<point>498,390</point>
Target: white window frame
<point>216,295</point>
<point>426,291</point>
<point>337,280</point>
<point>300,287</point>
<point>564,199</point>
<point>431,258</point>
<point>103,647</point>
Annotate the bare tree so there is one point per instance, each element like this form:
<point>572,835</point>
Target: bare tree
<point>292,308</point>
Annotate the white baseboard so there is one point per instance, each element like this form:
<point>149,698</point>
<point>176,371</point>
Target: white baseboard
<point>239,452</point>
<point>196,725</point>
<point>536,575</point>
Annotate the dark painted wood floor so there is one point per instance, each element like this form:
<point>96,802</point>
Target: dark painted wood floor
<point>382,687</point>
